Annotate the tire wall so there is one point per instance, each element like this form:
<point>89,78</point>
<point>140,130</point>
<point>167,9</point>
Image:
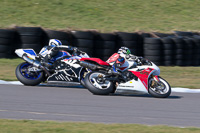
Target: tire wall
<point>7,40</point>
<point>30,37</point>
<point>130,40</point>
<point>153,50</point>
<point>83,40</point>
<point>164,49</point>
<point>168,51</point>
<point>105,44</point>
<point>63,36</point>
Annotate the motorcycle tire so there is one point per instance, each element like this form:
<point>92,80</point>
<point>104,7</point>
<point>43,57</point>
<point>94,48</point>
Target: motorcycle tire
<point>124,36</point>
<point>105,37</point>
<point>6,33</point>
<point>60,35</point>
<point>159,95</point>
<point>87,35</point>
<point>30,31</point>
<point>90,80</point>
<point>24,79</point>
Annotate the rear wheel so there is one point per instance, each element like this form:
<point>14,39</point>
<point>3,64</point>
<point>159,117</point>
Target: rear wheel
<point>160,89</point>
<point>26,74</point>
<point>97,84</point>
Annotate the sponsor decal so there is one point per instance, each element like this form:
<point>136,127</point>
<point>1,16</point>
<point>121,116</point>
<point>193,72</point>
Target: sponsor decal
<point>30,57</point>
<point>146,72</point>
<point>126,86</point>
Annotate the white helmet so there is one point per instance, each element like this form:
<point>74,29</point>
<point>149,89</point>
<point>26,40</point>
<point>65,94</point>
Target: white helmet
<point>54,42</point>
<point>124,51</point>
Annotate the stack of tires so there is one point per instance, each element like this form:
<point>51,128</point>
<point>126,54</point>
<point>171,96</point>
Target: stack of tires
<point>183,33</point>
<point>163,34</point>
<point>180,48</point>
<point>196,51</point>
<point>83,40</point>
<point>142,37</point>
<point>188,51</point>
<point>30,37</point>
<point>179,51</point>
<point>104,45</point>
<point>130,40</point>
<point>6,43</point>
<point>153,50</point>
<point>168,51</point>
<point>64,37</point>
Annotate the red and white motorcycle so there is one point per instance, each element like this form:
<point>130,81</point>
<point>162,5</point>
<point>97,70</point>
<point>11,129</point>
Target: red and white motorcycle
<point>142,78</point>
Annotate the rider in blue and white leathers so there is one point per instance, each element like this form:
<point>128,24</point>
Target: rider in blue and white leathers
<point>54,48</point>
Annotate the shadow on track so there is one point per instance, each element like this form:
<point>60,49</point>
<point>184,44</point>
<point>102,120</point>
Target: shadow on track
<point>115,94</point>
<point>145,96</point>
<point>62,86</point>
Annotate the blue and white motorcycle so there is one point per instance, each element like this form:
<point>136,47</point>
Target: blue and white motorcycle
<point>65,68</point>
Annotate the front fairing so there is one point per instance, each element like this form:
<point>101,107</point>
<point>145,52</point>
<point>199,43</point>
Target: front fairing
<point>143,73</point>
<point>152,66</point>
<point>71,70</point>
<point>29,52</point>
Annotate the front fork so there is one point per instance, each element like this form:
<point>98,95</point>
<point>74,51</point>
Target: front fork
<point>155,81</point>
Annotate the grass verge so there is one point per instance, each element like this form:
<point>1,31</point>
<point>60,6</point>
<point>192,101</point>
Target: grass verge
<point>176,76</point>
<point>29,126</point>
<point>182,76</point>
<point>104,15</point>
<point>7,69</point>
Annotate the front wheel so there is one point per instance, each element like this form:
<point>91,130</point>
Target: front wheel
<point>28,75</point>
<point>160,89</point>
<point>97,84</point>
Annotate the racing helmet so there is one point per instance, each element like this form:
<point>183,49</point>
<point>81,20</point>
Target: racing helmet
<point>124,51</point>
<point>54,42</point>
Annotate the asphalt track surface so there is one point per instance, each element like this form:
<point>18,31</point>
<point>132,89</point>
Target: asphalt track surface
<point>78,104</point>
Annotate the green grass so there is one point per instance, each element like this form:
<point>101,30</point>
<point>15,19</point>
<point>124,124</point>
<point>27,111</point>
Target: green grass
<point>182,76</point>
<point>7,68</point>
<point>28,126</point>
<point>176,76</point>
<point>103,15</point>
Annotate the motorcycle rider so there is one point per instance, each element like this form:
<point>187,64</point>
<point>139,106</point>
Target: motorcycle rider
<point>54,48</point>
<point>122,61</point>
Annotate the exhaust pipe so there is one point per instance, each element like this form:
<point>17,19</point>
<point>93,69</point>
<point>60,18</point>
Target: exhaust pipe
<point>92,66</point>
<point>31,61</point>
<point>35,63</point>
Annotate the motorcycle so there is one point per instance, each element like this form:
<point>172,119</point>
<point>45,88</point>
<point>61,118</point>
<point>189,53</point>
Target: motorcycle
<point>64,69</point>
<point>139,78</point>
